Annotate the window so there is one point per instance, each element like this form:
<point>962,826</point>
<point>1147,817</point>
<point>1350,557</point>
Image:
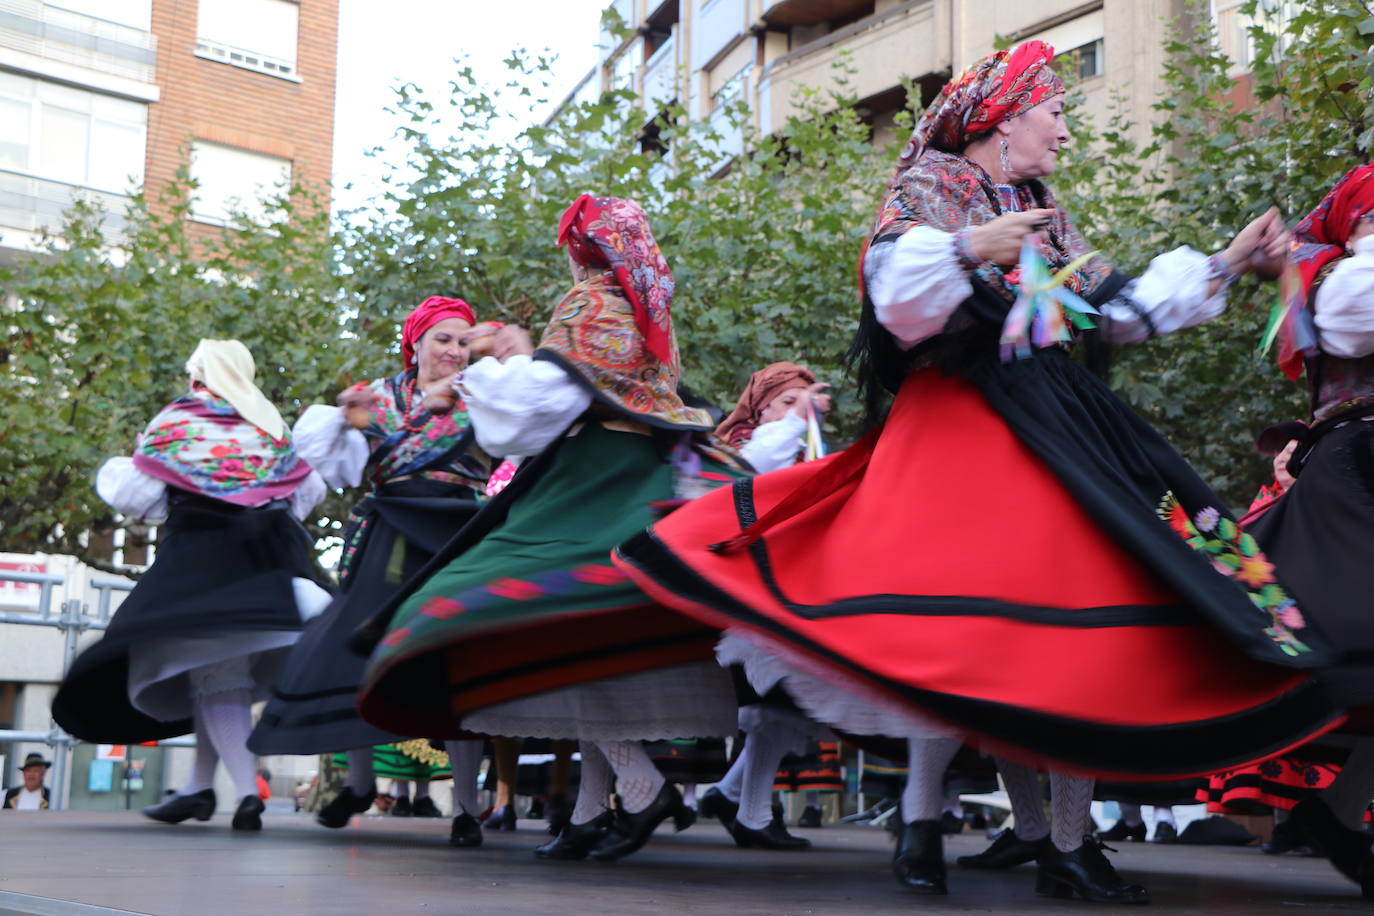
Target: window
<point>1082,62</point>
<point>136,14</point>
<point>71,135</point>
<point>232,181</point>
<point>254,34</point>
<point>1078,45</point>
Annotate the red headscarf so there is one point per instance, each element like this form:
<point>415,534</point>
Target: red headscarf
<point>1320,239</point>
<point>1000,86</point>
<point>613,233</point>
<point>763,387</point>
<point>426,315</point>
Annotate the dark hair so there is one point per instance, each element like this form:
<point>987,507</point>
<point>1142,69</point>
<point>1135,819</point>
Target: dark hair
<point>878,364</point>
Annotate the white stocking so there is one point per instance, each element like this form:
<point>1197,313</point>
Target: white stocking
<point>228,719</point>
<point>1349,794</point>
<point>733,782</point>
<point>1130,813</point>
<point>360,778</point>
<point>465,757</point>
<point>203,772</point>
<point>594,787</point>
<point>636,777</point>
<point>1164,815</point>
<point>1071,799</point>
<point>766,747</point>
<point>689,795</point>
<point>923,796</point>
<point>1027,799</point>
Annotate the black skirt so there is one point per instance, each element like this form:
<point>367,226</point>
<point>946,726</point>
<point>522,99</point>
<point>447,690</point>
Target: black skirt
<point>312,708</point>
<point>220,569</point>
<point>1320,535</point>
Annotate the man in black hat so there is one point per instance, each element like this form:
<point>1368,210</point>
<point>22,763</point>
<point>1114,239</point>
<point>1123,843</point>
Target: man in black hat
<point>32,795</point>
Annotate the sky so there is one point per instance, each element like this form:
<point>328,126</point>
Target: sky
<point>383,43</point>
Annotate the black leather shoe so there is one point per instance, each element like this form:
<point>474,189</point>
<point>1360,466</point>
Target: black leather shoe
<point>248,815</point>
<point>1007,851</point>
<point>919,862</point>
<point>559,814</point>
<point>810,817</point>
<point>1346,849</point>
<point>465,832</point>
<point>1123,831</point>
<point>1087,873</point>
<point>502,818</point>
<point>715,804</point>
<point>425,807</point>
<point>631,831</point>
<point>773,836</point>
<point>951,824</point>
<point>1165,833</point>
<point>402,807</point>
<point>340,811</point>
<point>200,805</point>
<point>576,840</point>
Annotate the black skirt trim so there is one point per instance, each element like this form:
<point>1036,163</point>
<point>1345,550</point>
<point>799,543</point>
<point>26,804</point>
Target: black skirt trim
<point>1181,749</point>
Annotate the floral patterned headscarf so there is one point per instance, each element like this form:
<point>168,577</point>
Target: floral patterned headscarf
<point>1000,86</point>
<point>613,233</point>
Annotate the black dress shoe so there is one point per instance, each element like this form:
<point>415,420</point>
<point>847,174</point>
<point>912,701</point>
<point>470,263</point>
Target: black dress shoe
<point>559,814</point>
<point>1165,833</point>
<point>1123,831</point>
<point>200,805</point>
<point>1007,851</point>
<point>402,807</point>
<point>502,818</point>
<point>1346,849</point>
<point>425,807</point>
<point>1087,873</point>
<point>340,811</point>
<point>576,840</point>
<point>773,836</point>
<point>248,815</point>
<point>685,818</point>
<point>715,804</point>
<point>465,832</point>
<point>919,862</point>
<point>951,824</point>
<point>810,817</point>
<point>631,831</point>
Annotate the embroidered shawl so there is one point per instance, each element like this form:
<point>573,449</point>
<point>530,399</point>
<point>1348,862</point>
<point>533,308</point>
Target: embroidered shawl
<point>413,440</point>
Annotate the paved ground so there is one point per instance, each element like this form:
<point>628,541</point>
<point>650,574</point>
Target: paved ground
<point>386,865</point>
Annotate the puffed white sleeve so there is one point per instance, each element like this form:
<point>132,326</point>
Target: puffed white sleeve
<point>1170,295</point>
<point>915,283</point>
<point>329,445</point>
<point>1345,305</point>
<point>519,407</point>
<point>775,445</point>
<point>130,491</point>
<point>308,495</point>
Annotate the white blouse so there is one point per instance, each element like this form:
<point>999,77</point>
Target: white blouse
<point>140,495</point>
<point>333,448</point>
<point>1345,305</point>
<point>519,407</point>
<point>775,445</point>
<point>916,282</point>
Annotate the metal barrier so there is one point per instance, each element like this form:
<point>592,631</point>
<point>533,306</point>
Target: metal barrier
<point>73,618</point>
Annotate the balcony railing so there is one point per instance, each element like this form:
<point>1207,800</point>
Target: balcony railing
<point>60,35</point>
<point>32,204</point>
<point>811,12</point>
<point>660,76</point>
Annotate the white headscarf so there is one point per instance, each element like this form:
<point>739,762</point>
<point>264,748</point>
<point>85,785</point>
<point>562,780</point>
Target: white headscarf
<point>226,368</point>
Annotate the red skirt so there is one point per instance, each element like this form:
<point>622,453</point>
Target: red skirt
<point>956,573</point>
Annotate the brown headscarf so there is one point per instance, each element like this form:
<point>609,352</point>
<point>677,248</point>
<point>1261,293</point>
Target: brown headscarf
<point>763,387</point>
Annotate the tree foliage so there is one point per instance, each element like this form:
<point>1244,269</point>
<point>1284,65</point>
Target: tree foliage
<point>763,246</point>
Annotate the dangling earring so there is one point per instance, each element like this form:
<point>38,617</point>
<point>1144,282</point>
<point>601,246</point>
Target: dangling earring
<point>1004,156</point>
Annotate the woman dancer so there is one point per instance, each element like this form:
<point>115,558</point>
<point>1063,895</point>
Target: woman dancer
<point>425,469</point>
<point>1009,502</point>
<point>597,412</point>
<point>206,630</point>
<point>1317,531</point>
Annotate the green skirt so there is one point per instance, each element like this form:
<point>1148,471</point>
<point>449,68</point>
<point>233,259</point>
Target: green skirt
<point>526,600</point>
<point>413,759</point>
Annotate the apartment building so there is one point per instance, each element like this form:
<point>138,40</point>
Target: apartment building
<point>709,53</point>
<point>100,98</point>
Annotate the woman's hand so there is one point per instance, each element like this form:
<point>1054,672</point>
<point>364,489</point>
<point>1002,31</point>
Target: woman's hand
<point>1262,246</point>
<point>357,396</point>
<point>1000,240</point>
<point>814,395</point>
<point>511,340</point>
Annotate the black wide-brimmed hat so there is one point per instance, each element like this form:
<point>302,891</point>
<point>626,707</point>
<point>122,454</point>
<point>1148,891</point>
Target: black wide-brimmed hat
<point>34,760</point>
